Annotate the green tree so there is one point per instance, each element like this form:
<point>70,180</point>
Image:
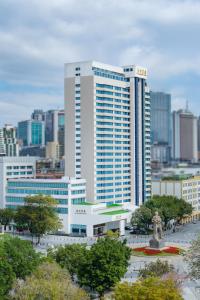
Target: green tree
<point>106,262</point>
<point>156,269</point>
<point>169,207</point>
<point>7,277</point>
<point>49,281</point>
<point>19,254</point>
<point>38,215</point>
<point>151,288</point>
<point>112,234</point>
<point>6,216</point>
<point>193,259</point>
<point>69,257</point>
<point>142,217</point>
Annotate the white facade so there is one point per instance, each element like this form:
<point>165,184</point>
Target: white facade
<point>2,144</point>
<point>13,168</point>
<point>107,131</point>
<point>78,217</point>
<point>187,189</point>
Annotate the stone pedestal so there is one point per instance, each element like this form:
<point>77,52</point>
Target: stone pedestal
<point>156,244</point>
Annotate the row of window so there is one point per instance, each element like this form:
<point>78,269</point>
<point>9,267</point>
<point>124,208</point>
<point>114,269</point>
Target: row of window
<point>114,178</point>
<point>108,105</point>
<point>112,160</point>
<point>109,111</point>
<point>76,192</point>
<point>112,166</point>
<point>112,124</point>
<point>102,92</point>
<point>108,74</point>
<point>105,117</point>
<point>110,129</point>
<point>109,135</point>
<point>113,142</point>
<point>113,172</point>
<point>112,148</point>
<point>37,184</point>
<point>21,200</point>
<point>112,100</point>
<point>37,192</point>
<point>19,173</point>
<point>107,86</point>
<point>19,167</point>
<point>105,197</point>
<point>78,200</point>
<point>113,154</point>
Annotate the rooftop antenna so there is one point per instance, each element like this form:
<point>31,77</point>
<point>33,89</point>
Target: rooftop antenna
<point>187,106</point>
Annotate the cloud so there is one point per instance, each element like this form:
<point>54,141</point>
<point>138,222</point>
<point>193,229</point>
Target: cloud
<point>38,37</point>
<point>23,104</point>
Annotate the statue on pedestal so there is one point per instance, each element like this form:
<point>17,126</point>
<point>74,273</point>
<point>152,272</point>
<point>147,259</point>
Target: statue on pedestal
<point>157,240</point>
<point>157,227</point>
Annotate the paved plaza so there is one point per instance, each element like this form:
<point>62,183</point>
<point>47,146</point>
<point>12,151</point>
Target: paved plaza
<point>182,238</point>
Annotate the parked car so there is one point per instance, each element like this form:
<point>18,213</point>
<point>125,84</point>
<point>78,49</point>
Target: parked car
<point>127,227</point>
<point>141,231</point>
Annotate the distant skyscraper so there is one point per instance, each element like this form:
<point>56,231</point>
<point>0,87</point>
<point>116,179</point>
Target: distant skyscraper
<point>160,126</point>
<point>198,128</point>
<point>54,128</point>
<point>31,133</point>
<point>38,115</point>
<point>185,140</point>
<point>9,145</point>
<point>107,131</point>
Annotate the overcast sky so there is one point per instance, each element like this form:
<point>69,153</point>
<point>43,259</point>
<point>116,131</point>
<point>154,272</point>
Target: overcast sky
<point>38,36</point>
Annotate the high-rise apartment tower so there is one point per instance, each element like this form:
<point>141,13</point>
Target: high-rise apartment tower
<point>107,131</point>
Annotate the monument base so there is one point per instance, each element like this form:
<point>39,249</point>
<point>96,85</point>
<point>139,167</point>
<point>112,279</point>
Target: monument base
<point>156,244</point>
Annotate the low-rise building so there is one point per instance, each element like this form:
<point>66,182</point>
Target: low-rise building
<point>78,217</point>
<point>14,168</point>
<point>186,187</point>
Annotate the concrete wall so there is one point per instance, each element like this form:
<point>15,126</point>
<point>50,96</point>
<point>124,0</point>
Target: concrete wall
<point>69,92</point>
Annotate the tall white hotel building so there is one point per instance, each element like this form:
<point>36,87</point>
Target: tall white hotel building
<point>107,131</point>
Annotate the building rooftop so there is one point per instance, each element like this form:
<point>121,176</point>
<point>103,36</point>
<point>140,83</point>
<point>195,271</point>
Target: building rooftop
<point>85,203</point>
<point>177,177</point>
<point>116,212</point>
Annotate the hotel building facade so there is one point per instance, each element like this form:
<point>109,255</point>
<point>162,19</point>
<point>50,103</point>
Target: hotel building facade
<point>107,131</point>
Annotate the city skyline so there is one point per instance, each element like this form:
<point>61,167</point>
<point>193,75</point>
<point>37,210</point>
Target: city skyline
<point>37,39</point>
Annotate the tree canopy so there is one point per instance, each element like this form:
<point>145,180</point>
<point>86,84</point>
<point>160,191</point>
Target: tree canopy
<point>48,281</point>
<point>17,260</point>
<point>20,254</point>
<point>6,216</point>
<point>192,256</point>
<point>142,217</point>
<point>105,264</point>
<point>7,277</point>
<point>151,288</point>
<point>69,257</point>
<point>169,207</point>
<point>156,269</point>
<point>38,215</point>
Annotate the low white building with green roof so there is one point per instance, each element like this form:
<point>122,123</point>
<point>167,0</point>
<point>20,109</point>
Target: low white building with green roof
<point>78,216</point>
<point>97,219</point>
